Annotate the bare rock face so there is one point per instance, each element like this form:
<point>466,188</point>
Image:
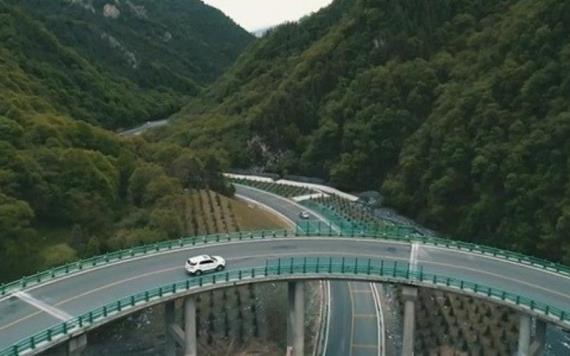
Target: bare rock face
<point>137,10</point>
<point>111,11</point>
<point>167,36</point>
<point>86,4</point>
<point>129,56</point>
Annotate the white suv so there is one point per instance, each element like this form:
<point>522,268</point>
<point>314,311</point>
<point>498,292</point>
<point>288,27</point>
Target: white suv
<point>199,264</point>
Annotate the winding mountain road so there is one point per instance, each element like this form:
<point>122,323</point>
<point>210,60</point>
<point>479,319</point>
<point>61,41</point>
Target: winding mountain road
<point>27,312</point>
<point>354,323</point>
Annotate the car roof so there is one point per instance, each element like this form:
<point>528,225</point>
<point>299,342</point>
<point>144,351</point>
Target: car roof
<point>199,258</point>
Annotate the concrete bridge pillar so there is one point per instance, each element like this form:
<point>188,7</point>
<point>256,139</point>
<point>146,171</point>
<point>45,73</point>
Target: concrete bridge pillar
<point>190,342</point>
<point>186,339</point>
<point>170,322</point>
<point>76,345</point>
<point>410,294</point>
<point>537,346</point>
<point>296,318</point>
<point>524,335</point>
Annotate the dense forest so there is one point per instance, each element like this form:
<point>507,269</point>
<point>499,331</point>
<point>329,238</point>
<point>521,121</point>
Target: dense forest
<point>68,187</point>
<point>114,64</point>
<point>458,111</point>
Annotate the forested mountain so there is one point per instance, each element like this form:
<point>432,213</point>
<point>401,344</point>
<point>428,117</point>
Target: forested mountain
<point>114,63</point>
<point>69,188</point>
<point>459,111</point>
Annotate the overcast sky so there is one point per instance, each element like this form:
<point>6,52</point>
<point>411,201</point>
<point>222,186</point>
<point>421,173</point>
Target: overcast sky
<point>257,14</point>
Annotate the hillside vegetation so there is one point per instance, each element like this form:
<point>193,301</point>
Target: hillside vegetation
<point>113,63</point>
<point>68,187</point>
<point>457,110</point>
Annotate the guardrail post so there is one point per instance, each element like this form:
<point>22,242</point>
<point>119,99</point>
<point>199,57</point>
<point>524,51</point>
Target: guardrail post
<point>524,336</point>
<point>410,295</point>
<point>356,266</point>
<point>295,320</point>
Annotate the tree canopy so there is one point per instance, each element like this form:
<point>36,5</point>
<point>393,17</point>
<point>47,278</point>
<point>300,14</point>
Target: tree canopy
<point>457,110</point>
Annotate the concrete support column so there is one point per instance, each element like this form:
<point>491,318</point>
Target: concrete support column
<point>296,318</point>
<point>76,345</point>
<point>190,343</point>
<point>537,347</point>
<point>410,294</point>
<point>524,336</point>
<point>169,320</point>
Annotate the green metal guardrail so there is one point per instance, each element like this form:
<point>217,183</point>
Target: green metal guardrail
<point>366,269</point>
<point>409,234</point>
<point>133,252</point>
<point>333,215</point>
<point>305,228</point>
<point>340,225</point>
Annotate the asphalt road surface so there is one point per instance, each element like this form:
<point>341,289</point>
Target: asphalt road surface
<point>44,305</point>
<point>348,333</point>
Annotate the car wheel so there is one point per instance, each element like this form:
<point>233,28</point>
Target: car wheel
<point>197,273</point>
<point>219,268</point>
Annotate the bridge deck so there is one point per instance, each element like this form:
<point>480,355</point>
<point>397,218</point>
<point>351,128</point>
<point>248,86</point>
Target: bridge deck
<point>82,292</point>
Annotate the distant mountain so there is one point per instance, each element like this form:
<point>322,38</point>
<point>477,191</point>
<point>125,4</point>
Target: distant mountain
<point>132,60</point>
<point>458,110</point>
<point>262,31</point>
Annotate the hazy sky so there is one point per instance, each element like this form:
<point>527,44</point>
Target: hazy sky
<point>256,14</point>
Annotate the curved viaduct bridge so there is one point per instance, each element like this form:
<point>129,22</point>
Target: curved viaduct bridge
<point>62,304</point>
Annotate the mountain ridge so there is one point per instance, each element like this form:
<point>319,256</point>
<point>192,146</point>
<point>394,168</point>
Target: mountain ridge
<point>456,110</point>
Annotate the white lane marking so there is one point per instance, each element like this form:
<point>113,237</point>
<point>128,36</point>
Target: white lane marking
<point>328,318</point>
<point>268,208</point>
<point>352,315</point>
<point>414,256</point>
<point>58,313</point>
<point>380,320</point>
<point>499,259</point>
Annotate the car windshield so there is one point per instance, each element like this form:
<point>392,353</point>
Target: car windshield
<point>192,263</point>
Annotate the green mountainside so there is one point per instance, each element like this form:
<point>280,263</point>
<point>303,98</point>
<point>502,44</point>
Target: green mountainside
<point>69,188</point>
<point>114,64</point>
<point>458,111</point>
